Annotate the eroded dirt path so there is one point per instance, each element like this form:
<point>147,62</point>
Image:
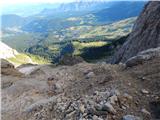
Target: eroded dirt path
<point>65,84</point>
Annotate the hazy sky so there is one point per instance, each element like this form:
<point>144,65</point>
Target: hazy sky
<point>8,2</point>
<point>12,2</point>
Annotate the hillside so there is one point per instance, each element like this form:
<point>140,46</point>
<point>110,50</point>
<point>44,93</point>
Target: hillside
<point>51,44</point>
<point>11,20</point>
<point>6,51</point>
<point>17,58</point>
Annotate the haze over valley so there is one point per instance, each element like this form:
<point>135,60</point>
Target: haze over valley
<point>50,31</point>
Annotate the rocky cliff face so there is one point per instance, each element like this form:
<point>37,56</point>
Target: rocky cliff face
<point>14,57</point>
<point>6,51</point>
<point>145,34</point>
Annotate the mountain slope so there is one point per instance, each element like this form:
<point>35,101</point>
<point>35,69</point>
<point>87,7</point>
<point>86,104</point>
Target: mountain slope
<point>145,34</point>
<point>109,91</point>
<point>16,58</point>
<point>12,20</point>
<point>6,51</point>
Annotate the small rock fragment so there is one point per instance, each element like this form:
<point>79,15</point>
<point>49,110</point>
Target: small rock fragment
<point>114,92</point>
<point>96,93</point>
<point>70,115</point>
<point>144,111</point>
<point>129,84</point>
<point>144,91</point>
<point>95,117</point>
<point>129,97</point>
<point>131,117</point>
<point>124,108</point>
<point>90,75</point>
<point>100,118</point>
<point>58,88</point>
<point>82,109</point>
<point>98,107</point>
<point>113,99</point>
<point>108,107</point>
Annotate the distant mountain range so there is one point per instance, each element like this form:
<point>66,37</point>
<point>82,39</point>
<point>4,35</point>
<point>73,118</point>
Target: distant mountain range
<point>47,30</point>
<point>75,14</point>
<point>12,20</point>
<point>120,10</point>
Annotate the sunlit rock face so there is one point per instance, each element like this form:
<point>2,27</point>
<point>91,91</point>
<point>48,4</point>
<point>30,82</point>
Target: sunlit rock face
<point>6,51</point>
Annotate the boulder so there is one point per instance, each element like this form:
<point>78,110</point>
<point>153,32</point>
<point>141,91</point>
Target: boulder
<point>8,68</point>
<point>5,64</point>
<point>143,56</point>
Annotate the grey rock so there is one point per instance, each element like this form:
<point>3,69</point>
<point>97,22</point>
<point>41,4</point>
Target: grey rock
<point>131,117</point>
<point>40,106</point>
<point>96,93</point>
<point>6,64</point>
<point>70,115</point>
<point>114,92</point>
<point>98,107</point>
<point>100,118</point>
<point>144,91</point>
<point>82,108</point>
<point>95,117</point>
<point>143,56</point>
<point>58,88</point>
<point>144,111</point>
<point>127,96</point>
<point>113,99</point>
<point>145,34</point>
<point>90,75</point>
<point>109,108</point>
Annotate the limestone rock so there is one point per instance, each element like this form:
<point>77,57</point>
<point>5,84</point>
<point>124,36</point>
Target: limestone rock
<point>90,75</point>
<point>144,111</point>
<point>143,56</point>
<point>131,117</point>
<point>145,34</point>
<point>108,107</point>
<point>144,91</point>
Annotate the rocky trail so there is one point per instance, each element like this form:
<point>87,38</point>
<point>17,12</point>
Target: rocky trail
<point>85,92</point>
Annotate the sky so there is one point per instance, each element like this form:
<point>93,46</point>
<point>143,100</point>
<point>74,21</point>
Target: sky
<point>12,2</point>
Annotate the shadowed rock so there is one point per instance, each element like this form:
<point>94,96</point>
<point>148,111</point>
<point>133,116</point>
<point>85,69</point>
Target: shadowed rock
<point>145,34</point>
